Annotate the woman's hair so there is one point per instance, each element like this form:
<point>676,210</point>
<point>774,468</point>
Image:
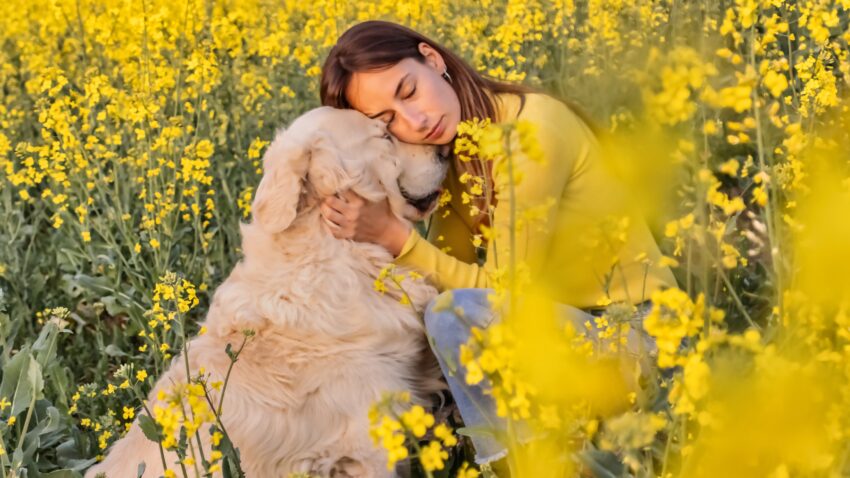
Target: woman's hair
<point>376,44</point>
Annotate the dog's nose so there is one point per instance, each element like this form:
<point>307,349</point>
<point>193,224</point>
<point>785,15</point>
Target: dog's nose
<point>443,152</point>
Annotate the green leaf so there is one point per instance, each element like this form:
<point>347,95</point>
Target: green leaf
<point>11,376</point>
<point>114,306</point>
<point>149,428</point>
<point>62,474</point>
<point>479,430</point>
<point>22,380</point>
<point>113,351</point>
<point>45,345</point>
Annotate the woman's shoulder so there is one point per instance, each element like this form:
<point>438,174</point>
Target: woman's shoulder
<point>550,115</point>
<point>545,108</point>
<point>558,127</point>
<point>512,106</point>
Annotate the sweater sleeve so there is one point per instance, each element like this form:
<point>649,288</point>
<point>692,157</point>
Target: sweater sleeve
<point>444,270</point>
<point>564,143</point>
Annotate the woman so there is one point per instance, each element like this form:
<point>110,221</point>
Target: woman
<point>423,91</point>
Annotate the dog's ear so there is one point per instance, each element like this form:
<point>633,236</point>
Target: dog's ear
<point>387,169</point>
<point>285,164</point>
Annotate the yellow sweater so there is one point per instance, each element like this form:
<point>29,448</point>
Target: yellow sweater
<point>563,255</point>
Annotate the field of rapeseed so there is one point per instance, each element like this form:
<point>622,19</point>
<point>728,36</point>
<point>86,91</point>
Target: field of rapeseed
<point>130,142</point>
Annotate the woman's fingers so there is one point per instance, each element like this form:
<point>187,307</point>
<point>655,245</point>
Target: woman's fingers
<point>342,212</point>
<point>352,198</point>
<point>335,203</point>
<point>348,204</point>
<point>332,215</point>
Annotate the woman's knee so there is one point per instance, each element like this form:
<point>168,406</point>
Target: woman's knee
<point>458,308</point>
<point>450,316</point>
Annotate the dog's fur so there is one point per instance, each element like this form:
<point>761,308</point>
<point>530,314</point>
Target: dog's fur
<point>327,344</point>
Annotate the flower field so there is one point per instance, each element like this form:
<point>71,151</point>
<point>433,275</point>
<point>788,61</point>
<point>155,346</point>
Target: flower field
<point>131,137</point>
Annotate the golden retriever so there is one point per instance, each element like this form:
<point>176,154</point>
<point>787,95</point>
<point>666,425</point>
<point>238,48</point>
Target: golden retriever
<point>327,344</point>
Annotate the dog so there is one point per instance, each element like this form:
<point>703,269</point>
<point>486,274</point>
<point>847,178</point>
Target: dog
<point>326,344</point>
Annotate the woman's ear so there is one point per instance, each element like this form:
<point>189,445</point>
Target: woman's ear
<point>285,165</point>
<point>432,57</point>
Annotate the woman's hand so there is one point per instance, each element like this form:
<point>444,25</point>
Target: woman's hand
<point>350,216</point>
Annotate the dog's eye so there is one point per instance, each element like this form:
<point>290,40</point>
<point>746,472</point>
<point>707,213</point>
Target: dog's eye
<point>388,137</point>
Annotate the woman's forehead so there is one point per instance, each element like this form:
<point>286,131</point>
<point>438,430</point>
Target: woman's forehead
<point>369,90</point>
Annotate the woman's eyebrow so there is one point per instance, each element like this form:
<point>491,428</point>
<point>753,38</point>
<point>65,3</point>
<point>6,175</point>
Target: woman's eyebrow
<point>397,92</point>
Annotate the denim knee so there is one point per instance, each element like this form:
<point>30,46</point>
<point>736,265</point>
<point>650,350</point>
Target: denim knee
<point>474,308</point>
<point>450,327</point>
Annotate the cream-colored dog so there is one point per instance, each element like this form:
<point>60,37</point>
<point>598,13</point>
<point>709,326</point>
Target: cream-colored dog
<point>327,344</point>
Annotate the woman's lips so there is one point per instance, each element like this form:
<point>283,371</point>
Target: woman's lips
<point>437,131</point>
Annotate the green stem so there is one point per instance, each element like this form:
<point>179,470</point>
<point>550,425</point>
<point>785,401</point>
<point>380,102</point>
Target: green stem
<point>150,415</point>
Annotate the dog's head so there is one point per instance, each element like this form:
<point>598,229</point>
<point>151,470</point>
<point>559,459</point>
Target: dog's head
<point>328,150</point>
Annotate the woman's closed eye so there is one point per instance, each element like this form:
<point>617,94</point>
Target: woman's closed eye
<point>409,95</point>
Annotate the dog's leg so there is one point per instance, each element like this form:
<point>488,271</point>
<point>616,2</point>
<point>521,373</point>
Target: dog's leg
<point>124,456</point>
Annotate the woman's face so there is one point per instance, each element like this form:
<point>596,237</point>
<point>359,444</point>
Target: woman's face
<point>411,97</point>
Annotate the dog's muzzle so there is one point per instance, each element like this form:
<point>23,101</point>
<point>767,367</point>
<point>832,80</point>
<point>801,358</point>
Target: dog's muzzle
<point>423,203</point>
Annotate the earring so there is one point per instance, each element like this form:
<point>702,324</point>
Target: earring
<point>447,76</point>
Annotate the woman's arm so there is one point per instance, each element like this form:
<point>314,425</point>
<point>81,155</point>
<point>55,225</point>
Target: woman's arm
<point>350,216</point>
<point>442,269</point>
<point>566,144</point>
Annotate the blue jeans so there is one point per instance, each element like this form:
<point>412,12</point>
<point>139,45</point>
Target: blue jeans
<point>446,332</point>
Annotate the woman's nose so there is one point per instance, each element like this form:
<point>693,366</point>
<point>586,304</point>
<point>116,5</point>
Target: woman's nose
<point>415,119</point>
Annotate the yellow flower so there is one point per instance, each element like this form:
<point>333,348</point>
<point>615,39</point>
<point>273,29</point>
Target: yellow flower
<point>379,286</point>
<point>417,420</point>
<point>432,456</point>
<point>730,167</point>
<point>204,149</point>
<point>103,439</point>
<point>775,82</point>
<point>474,373</point>
<point>444,433</point>
<point>141,375</point>
<point>467,471</point>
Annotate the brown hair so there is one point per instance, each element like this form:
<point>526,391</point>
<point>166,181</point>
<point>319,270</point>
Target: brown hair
<point>376,44</point>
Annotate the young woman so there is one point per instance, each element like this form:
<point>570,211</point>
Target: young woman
<point>422,91</point>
